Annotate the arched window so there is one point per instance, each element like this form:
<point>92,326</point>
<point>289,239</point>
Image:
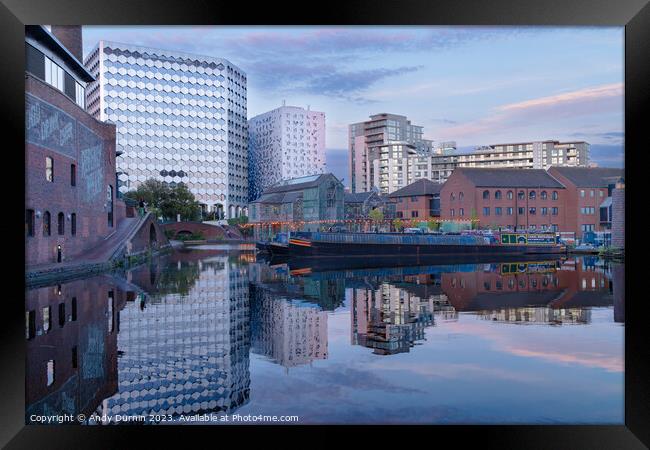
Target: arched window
<point>486,195</point>
<point>497,195</point>
<point>532,195</point>
<point>461,196</point>
<point>47,222</point>
<point>543,195</point>
<point>554,195</point>
<point>452,197</point>
<point>521,195</point>
<point>61,223</point>
<point>509,195</point>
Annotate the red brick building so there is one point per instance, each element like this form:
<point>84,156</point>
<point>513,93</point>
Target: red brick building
<point>588,195</point>
<point>515,199</point>
<point>71,340</point>
<point>418,200</point>
<point>70,204</point>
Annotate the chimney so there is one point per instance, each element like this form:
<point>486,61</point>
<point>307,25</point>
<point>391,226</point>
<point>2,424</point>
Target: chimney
<point>70,37</point>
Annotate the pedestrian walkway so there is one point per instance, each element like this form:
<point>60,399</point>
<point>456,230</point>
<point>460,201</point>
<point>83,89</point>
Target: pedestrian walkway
<point>95,258</point>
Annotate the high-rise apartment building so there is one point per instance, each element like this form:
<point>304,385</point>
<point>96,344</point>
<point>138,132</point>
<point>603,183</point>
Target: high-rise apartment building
<point>180,118</point>
<point>374,144</point>
<point>388,153</point>
<point>287,142</point>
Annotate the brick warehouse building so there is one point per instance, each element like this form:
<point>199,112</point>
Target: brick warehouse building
<point>418,200</point>
<point>70,204</point>
<point>589,196</point>
<point>516,199</point>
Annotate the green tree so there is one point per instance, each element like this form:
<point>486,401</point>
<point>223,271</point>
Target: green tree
<point>376,215</point>
<point>433,224</point>
<point>398,224</point>
<point>474,218</point>
<point>166,201</point>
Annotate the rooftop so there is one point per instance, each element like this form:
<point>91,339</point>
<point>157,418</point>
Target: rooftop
<point>590,176</point>
<point>423,186</point>
<point>357,197</point>
<point>509,177</point>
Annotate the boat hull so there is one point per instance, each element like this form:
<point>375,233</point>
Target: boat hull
<point>329,249</point>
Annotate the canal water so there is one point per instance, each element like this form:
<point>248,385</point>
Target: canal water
<point>216,336</point>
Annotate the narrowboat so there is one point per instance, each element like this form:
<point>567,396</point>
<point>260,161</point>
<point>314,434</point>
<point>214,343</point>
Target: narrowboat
<point>276,247</point>
<point>316,244</point>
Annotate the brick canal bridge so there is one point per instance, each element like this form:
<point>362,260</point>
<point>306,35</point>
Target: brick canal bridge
<point>210,232</point>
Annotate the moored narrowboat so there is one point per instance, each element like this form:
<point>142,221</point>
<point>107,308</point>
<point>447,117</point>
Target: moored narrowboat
<point>306,244</point>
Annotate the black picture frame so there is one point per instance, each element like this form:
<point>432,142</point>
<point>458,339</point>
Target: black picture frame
<point>633,14</point>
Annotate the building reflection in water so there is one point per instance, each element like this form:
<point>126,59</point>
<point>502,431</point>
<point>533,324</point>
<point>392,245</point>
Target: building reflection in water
<point>174,337</point>
<point>184,344</point>
<point>72,332</point>
<point>289,314</point>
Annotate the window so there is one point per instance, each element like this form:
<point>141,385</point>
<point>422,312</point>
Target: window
<point>73,175</point>
<point>543,195</point>
<point>29,222</point>
<point>414,213</point>
<point>532,211</point>
<point>50,372</point>
<point>497,211</point>
<point>61,223</point>
<point>30,324</point>
<point>461,212</point>
<point>555,195</point>
<point>486,211</point>
<point>591,193</point>
<point>509,211</point>
<point>73,312</point>
<point>521,211</point>
<point>47,230</point>
<point>544,211</point>
<point>497,195</point>
<point>532,195</point>
<point>554,210</point>
<point>452,197</point>
<point>486,195</point>
<point>521,195</point>
<point>414,199</point>
<point>53,74</point>
<point>452,212</point>
<point>582,193</point>
<point>73,224</point>
<point>47,320</point>
<point>587,227</point>
<point>61,314</point>
<point>111,317</point>
<point>461,196</point>
<point>75,359</point>
<point>49,169</point>
<point>80,96</point>
<point>509,195</point>
<point>601,193</point>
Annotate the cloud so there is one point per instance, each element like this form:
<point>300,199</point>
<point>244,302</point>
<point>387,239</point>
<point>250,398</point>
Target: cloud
<point>539,112</point>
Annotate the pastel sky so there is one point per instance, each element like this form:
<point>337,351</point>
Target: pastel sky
<point>474,85</point>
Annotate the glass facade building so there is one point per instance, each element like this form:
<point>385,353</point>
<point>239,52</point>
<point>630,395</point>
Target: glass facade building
<point>180,118</point>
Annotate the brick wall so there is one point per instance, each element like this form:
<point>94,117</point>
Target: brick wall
<point>618,216</point>
<point>468,198</point>
<point>91,148</point>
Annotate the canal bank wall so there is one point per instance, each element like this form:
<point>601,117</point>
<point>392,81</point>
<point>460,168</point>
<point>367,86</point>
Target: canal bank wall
<point>132,244</point>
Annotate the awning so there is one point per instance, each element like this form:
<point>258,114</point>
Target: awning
<point>607,203</point>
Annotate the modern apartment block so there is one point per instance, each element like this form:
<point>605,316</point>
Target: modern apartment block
<point>528,155</point>
<point>287,142</point>
<point>380,149</point>
<point>180,118</point>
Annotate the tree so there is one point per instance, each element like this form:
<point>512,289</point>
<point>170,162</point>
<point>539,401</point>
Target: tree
<point>167,201</point>
<point>474,218</point>
<point>398,224</point>
<point>376,215</point>
<point>433,224</point>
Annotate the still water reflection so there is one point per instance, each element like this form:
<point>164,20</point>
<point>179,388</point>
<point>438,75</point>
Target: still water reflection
<point>213,331</point>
